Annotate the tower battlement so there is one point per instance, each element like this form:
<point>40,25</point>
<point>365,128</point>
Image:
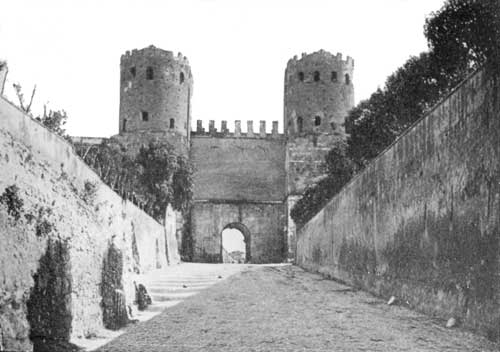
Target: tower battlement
<point>321,56</point>
<point>152,51</point>
<point>224,132</point>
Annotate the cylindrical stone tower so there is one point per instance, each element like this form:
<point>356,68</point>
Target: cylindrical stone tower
<point>155,92</point>
<point>318,93</point>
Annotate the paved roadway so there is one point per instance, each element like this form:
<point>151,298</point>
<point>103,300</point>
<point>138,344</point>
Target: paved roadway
<point>278,308</point>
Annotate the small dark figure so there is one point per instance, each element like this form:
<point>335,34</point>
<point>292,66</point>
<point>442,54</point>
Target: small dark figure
<point>142,297</point>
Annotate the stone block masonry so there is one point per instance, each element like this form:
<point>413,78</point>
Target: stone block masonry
<point>238,182</point>
<point>55,252</point>
<point>422,221</point>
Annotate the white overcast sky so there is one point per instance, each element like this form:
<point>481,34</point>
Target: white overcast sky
<point>237,49</point>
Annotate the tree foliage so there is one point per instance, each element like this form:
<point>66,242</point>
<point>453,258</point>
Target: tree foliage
<point>54,120</point>
<point>408,93</point>
<point>165,177</point>
<point>339,171</point>
<point>26,107</point>
<point>156,177</point>
<point>463,35</point>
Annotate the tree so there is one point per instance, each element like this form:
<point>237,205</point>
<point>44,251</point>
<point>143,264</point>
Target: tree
<point>339,171</point>
<point>407,95</point>
<point>20,96</point>
<point>166,178</point>
<point>156,177</point>
<point>54,121</point>
<point>463,35</point>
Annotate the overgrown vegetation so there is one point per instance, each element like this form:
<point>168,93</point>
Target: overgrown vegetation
<point>89,193</point>
<point>12,201</point>
<point>462,36</point>
<point>43,226</point>
<point>339,171</point>
<point>156,177</point>
<point>54,120</point>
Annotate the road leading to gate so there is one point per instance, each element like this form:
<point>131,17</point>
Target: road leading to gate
<point>283,308</point>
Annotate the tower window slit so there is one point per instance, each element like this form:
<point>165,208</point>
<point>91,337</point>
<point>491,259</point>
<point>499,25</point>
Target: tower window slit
<point>145,116</point>
<point>132,71</point>
<point>172,123</point>
<point>316,76</point>
<point>334,76</point>
<point>300,124</point>
<point>347,79</point>
<point>181,77</point>
<point>301,76</point>
<point>317,121</point>
<point>149,73</point>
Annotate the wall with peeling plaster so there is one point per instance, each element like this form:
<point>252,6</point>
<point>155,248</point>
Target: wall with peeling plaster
<point>67,257</point>
<point>422,221</point>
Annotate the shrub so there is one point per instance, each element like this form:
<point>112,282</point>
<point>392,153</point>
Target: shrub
<point>10,198</point>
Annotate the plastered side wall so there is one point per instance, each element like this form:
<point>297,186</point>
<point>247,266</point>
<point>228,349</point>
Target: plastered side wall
<point>265,223</point>
<point>51,178</point>
<point>422,221</point>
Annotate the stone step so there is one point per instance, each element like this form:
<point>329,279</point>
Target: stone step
<point>167,290</point>
<point>171,296</point>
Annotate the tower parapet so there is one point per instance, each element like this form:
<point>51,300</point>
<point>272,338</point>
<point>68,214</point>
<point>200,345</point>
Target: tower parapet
<point>155,92</point>
<point>318,93</point>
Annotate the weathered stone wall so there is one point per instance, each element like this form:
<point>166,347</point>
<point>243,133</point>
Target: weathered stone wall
<point>239,179</point>
<point>264,221</point>
<point>165,95</point>
<point>316,85</point>
<point>3,75</point>
<point>238,167</point>
<point>51,180</point>
<point>422,221</point>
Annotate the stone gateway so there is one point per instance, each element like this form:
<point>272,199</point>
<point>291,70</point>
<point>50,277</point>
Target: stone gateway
<point>243,180</point>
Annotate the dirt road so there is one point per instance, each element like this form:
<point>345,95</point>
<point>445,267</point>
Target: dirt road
<point>282,308</point>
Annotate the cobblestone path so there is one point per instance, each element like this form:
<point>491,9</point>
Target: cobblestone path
<point>282,308</point>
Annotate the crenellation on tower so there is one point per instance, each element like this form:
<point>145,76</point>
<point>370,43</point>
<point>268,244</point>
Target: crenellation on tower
<point>250,128</point>
<point>275,128</point>
<point>262,128</point>
<point>199,126</point>
<point>211,126</point>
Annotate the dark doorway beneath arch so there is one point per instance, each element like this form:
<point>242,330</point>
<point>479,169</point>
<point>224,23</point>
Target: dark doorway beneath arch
<point>235,244</point>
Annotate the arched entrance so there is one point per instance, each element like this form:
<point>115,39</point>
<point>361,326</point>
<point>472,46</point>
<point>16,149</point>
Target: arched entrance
<point>235,244</point>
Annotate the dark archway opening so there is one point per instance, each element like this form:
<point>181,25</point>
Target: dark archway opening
<point>235,244</point>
